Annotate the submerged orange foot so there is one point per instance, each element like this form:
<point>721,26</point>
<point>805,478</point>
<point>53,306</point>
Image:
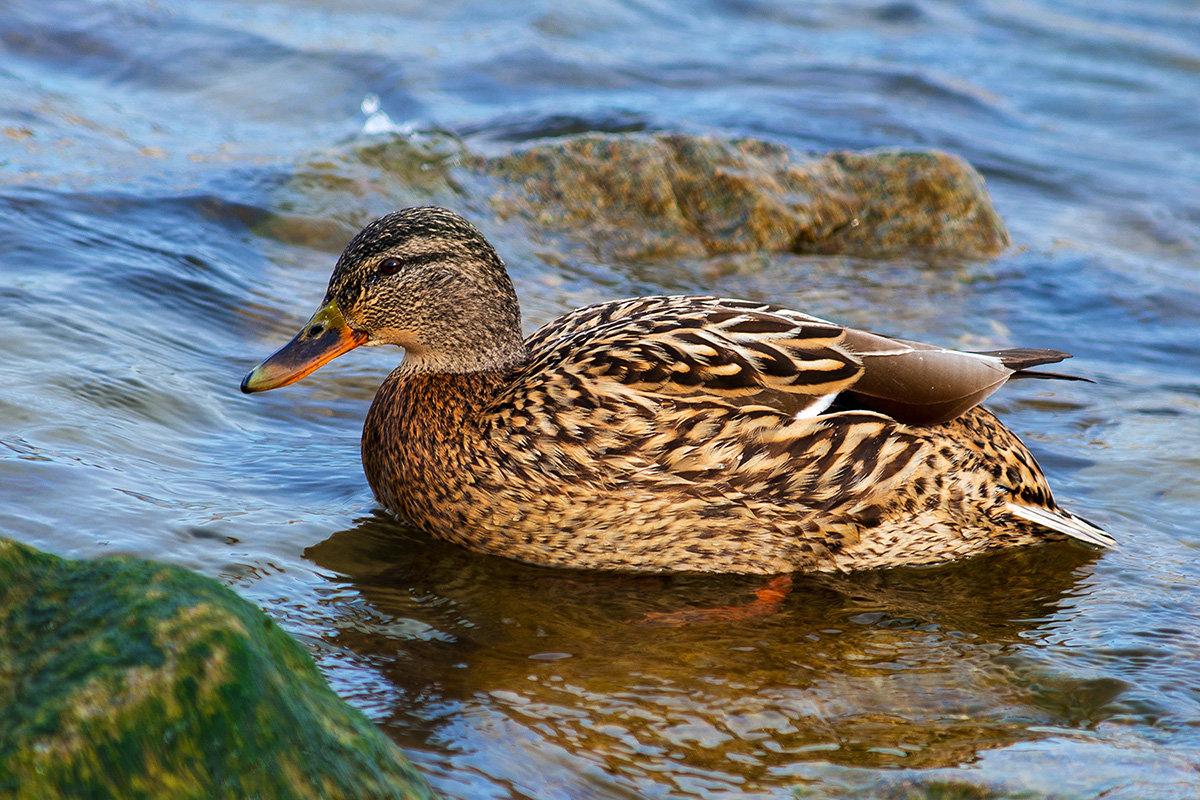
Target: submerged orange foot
<point>767,600</point>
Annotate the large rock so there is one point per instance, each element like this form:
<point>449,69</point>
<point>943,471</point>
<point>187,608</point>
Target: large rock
<point>636,196</point>
<point>124,678</point>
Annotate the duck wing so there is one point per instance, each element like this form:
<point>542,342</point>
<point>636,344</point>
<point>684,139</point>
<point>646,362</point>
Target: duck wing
<point>745,353</point>
<point>677,389</point>
<point>921,384</point>
<point>698,349</point>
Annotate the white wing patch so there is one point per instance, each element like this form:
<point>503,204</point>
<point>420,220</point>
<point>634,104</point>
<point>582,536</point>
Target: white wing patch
<point>816,407</point>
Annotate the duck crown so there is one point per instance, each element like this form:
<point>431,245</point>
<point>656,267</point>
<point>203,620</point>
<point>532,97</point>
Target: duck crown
<point>427,280</point>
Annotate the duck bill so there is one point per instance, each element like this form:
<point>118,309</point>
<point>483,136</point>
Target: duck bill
<point>325,337</point>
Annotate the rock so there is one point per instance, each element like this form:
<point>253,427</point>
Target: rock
<point>670,196</point>
<point>124,678</point>
<point>636,197</point>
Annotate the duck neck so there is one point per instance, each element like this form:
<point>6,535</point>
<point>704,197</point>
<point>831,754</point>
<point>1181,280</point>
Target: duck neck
<point>414,434</point>
<point>492,353</point>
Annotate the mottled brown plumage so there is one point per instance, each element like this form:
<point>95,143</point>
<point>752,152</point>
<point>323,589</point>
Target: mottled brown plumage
<point>667,433</point>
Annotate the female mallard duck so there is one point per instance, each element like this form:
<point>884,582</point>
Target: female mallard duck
<point>666,433</point>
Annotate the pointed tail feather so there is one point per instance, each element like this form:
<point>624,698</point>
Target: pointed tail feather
<point>1058,376</point>
<point>1063,522</point>
<point>1018,358</point>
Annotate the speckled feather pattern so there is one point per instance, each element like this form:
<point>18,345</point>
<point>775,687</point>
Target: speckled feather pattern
<point>668,434</point>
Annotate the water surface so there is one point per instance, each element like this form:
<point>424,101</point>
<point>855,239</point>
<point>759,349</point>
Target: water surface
<point>176,180</point>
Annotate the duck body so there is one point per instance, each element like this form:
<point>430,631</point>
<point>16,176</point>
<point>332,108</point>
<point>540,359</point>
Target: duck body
<point>668,433</point>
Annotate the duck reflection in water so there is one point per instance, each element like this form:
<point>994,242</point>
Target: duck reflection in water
<point>916,667</point>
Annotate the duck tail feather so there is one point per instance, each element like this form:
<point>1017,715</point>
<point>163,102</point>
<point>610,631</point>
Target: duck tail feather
<point>1018,358</point>
<point>1057,376</point>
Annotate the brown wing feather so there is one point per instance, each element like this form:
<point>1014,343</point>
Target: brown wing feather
<point>700,348</point>
<point>921,384</point>
<point>762,354</point>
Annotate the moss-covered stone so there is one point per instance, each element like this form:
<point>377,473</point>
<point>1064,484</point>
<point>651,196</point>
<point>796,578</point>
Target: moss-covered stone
<point>124,678</point>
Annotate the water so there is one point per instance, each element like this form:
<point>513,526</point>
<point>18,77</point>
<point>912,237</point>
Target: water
<point>177,178</point>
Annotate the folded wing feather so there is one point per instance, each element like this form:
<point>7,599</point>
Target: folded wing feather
<point>758,353</point>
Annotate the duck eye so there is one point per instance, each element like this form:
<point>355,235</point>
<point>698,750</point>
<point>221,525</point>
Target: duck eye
<point>390,266</point>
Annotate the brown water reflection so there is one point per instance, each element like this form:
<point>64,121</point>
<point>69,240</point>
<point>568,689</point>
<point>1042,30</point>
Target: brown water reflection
<point>917,668</point>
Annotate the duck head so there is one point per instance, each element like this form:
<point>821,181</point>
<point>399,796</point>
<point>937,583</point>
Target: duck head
<point>422,278</point>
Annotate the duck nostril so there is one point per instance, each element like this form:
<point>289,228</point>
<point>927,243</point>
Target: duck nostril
<point>316,330</point>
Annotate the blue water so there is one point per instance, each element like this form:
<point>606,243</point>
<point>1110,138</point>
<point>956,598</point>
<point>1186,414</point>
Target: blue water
<point>176,179</point>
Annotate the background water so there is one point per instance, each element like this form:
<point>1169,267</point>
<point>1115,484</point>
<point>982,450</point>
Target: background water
<point>169,212</point>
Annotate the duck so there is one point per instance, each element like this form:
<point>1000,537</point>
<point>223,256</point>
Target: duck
<point>667,433</point>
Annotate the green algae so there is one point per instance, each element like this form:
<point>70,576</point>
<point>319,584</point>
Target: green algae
<point>124,678</point>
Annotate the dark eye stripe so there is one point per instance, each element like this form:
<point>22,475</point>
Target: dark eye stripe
<point>390,266</point>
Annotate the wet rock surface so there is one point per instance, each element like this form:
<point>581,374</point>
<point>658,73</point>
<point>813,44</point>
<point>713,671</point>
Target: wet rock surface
<point>636,197</point>
<point>640,197</point>
<point>124,678</point>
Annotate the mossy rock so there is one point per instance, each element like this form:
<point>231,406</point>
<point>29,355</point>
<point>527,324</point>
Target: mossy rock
<point>124,678</point>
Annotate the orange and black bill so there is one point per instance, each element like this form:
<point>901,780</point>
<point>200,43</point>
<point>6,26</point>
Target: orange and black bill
<point>325,337</point>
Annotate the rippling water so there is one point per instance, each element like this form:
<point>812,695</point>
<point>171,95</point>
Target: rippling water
<point>177,178</point>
